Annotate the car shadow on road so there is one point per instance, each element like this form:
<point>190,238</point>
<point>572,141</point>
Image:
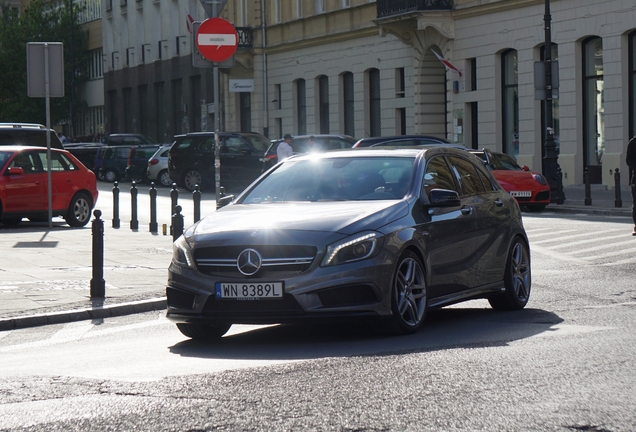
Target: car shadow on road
<point>443,329</point>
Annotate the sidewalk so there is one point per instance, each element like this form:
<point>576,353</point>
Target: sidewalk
<point>45,274</point>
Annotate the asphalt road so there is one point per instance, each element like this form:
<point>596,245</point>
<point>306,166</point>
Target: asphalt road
<point>566,362</point>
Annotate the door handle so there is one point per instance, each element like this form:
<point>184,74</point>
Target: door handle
<point>499,202</point>
<point>466,210</point>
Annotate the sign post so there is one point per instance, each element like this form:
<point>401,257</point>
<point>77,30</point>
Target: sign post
<point>45,78</point>
<point>216,40</point>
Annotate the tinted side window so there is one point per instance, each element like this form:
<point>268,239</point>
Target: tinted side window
<point>59,162</point>
<point>207,146</point>
<point>28,161</point>
<point>438,175</point>
<point>469,179</point>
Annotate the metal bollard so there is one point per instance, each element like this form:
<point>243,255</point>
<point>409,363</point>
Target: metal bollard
<point>134,223</point>
<point>98,284</point>
<point>618,202</point>
<point>174,198</point>
<point>560,198</point>
<point>177,223</point>
<point>196,197</point>
<point>116,205</point>
<point>586,180</point>
<point>154,226</point>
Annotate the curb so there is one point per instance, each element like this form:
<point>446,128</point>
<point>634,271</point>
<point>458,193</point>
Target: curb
<point>619,211</point>
<point>83,314</point>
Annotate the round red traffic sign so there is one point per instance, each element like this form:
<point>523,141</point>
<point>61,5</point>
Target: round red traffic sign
<point>216,39</point>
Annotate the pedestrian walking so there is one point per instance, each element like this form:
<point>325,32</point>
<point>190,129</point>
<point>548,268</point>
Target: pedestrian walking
<point>631,163</point>
<point>284,149</point>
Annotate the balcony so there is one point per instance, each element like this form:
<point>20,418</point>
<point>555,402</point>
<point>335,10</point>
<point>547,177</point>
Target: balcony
<point>388,8</point>
<point>245,37</point>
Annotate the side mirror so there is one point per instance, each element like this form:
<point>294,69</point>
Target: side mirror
<point>223,201</point>
<point>443,198</point>
<point>525,168</point>
<point>16,170</point>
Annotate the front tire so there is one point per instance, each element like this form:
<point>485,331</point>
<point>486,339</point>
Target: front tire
<point>203,331</point>
<point>192,178</point>
<point>517,279</point>
<point>79,211</point>
<point>409,299</point>
<point>111,175</point>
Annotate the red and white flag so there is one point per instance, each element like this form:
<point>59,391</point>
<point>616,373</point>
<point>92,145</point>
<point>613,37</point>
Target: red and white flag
<point>189,21</point>
<point>448,64</point>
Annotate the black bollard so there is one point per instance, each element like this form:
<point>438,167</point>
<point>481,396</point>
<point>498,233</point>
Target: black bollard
<point>586,180</point>
<point>154,226</point>
<point>98,284</point>
<point>560,197</point>
<point>196,197</point>
<point>618,202</point>
<point>174,198</point>
<point>177,223</point>
<point>134,223</point>
<point>116,205</point>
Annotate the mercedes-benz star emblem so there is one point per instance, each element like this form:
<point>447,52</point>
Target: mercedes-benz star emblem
<point>249,262</point>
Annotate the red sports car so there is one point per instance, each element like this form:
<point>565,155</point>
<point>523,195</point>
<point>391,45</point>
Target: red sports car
<point>529,188</point>
<point>24,186</point>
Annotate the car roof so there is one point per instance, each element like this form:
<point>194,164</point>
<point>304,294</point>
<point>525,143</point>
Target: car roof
<point>411,151</point>
<point>26,147</point>
<point>394,137</point>
<point>22,126</point>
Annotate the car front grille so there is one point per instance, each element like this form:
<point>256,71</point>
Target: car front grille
<point>542,196</point>
<point>277,261</point>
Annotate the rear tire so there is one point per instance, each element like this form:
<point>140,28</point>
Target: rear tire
<point>517,279</point>
<point>111,175</point>
<point>164,178</point>
<point>409,299</point>
<point>11,221</point>
<point>203,331</point>
<point>79,211</point>
<point>191,178</point>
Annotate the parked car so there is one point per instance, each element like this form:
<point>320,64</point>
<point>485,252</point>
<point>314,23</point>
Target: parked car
<point>27,134</point>
<point>376,236</point>
<point>400,140</point>
<point>529,188</point>
<point>85,152</point>
<point>157,170</point>
<point>300,144</point>
<point>112,162</point>
<point>128,139</point>
<point>191,159</point>
<point>137,165</point>
<point>24,186</point>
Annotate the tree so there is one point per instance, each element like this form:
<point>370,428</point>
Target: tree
<point>39,23</point>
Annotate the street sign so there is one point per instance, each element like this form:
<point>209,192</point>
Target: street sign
<point>36,79</point>
<point>216,39</point>
<point>198,60</point>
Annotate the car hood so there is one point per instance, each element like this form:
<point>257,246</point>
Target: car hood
<point>512,180</point>
<point>348,217</point>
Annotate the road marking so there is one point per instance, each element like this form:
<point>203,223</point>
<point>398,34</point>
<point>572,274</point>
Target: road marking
<point>558,255</point>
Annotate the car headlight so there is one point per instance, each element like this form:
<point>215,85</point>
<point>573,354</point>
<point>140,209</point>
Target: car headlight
<point>355,248</point>
<point>540,179</point>
<point>181,252</point>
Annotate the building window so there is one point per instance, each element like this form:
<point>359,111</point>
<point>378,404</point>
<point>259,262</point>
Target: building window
<point>347,95</point>
<point>345,3</point>
<point>323,103</point>
<point>319,6</point>
<point>400,123</point>
<point>593,109</point>
<point>95,64</point>
<point>473,73</point>
<point>375,123</point>
<point>510,105</point>
<point>301,106</point>
<point>277,12</point>
<point>243,13</point>
<point>555,105</point>
<point>299,8</point>
<point>400,87</point>
<point>632,84</point>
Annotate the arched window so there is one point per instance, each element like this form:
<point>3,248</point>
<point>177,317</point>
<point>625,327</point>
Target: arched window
<point>593,111</point>
<point>301,107</point>
<point>323,102</point>
<point>347,99</point>
<point>375,117</point>
<point>510,103</point>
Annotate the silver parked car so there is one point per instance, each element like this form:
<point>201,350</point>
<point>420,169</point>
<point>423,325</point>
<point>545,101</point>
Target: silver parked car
<point>158,167</point>
<point>380,235</point>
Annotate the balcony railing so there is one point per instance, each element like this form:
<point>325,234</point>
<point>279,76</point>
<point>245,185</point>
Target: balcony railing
<point>245,36</point>
<point>387,8</point>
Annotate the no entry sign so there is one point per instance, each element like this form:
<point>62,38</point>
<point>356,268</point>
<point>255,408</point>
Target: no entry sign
<point>217,39</point>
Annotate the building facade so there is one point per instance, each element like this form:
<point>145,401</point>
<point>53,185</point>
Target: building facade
<point>369,68</point>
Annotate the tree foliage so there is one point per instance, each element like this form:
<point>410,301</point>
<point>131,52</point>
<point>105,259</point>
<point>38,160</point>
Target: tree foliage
<point>38,23</point>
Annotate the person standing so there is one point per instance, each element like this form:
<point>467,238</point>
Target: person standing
<point>313,146</point>
<point>284,149</point>
<point>631,163</point>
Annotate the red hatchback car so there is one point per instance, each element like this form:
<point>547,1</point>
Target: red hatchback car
<point>530,189</point>
<point>24,186</point>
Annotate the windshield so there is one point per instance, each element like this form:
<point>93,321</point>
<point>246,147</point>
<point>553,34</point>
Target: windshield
<point>259,142</point>
<point>335,179</point>
<point>501,161</point>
